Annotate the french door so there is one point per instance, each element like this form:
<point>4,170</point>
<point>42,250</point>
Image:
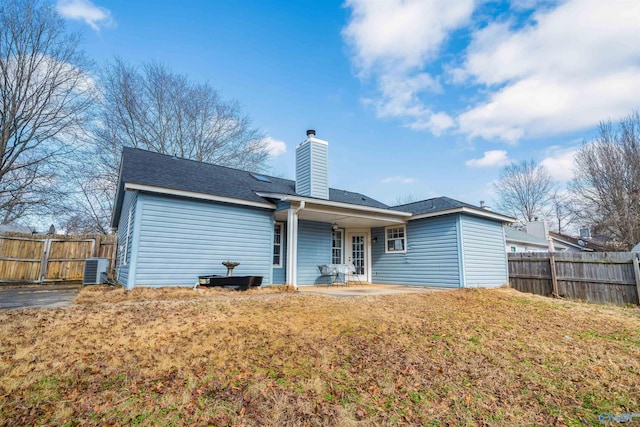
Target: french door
<point>358,253</point>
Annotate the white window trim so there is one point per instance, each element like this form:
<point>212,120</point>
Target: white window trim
<point>386,242</point>
<point>281,224</point>
<point>342,244</point>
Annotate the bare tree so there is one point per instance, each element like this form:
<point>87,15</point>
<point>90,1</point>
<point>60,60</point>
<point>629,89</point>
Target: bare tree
<point>44,96</point>
<point>607,181</point>
<point>90,197</point>
<point>403,200</point>
<point>524,190</point>
<point>562,213</point>
<point>155,109</point>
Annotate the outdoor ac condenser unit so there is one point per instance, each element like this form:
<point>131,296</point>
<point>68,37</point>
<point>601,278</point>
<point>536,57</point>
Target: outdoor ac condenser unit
<point>95,271</point>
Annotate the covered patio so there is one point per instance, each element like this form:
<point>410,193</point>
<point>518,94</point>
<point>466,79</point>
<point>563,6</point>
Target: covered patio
<point>312,222</point>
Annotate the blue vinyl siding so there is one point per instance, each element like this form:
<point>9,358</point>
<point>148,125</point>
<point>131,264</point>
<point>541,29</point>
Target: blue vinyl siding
<point>125,242</point>
<point>432,257</point>
<point>485,260</point>
<point>280,273</point>
<point>181,239</point>
<point>314,249</point>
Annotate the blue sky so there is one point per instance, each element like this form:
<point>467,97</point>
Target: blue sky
<point>423,98</point>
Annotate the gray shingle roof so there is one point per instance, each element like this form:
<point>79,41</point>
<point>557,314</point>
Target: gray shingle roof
<point>432,205</point>
<point>161,170</point>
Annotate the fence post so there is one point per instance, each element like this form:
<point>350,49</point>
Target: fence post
<point>636,272</point>
<point>96,245</point>
<point>45,260</point>
<point>554,278</point>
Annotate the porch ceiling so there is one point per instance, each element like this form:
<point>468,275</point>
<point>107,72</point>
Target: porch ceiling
<point>342,217</point>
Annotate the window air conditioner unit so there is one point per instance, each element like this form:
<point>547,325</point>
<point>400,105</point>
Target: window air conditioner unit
<point>95,271</point>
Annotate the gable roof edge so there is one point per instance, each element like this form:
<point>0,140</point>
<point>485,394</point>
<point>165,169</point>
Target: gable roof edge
<point>196,195</point>
<point>294,198</point>
<point>466,210</point>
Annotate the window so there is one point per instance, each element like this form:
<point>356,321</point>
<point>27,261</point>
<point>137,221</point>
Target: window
<point>513,249</point>
<point>260,177</point>
<point>396,239</point>
<point>277,244</point>
<point>336,247</point>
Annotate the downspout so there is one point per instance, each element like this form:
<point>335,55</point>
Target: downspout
<point>294,242</point>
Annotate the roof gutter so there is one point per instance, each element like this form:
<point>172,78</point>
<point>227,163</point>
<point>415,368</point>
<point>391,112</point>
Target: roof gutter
<point>196,195</point>
<point>291,198</point>
<point>525,242</point>
<point>467,210</point>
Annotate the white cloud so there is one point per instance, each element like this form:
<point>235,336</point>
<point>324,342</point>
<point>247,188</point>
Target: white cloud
<point>391,41</point>
<point>401,34</point>
<point>559,162</point>
<point>493,158</point>
<point>274,146</point>
<point>439,122</point>
<point>399,95</point>
<point>84,10</point>
<point>572,67</point>
<point>398,180</point>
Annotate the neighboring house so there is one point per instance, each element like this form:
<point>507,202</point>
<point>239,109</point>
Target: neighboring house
<point>177,219</point>
<point>7,228</point>
<point>561,242</point>
<point>576,244</point>
<point>519,241</point>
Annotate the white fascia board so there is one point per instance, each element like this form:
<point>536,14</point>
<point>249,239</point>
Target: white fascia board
<point>358,215</point>
<point>566,243</point>
<point>470,211</point>
<point>195,195</point>
<point>525,242</point>
<point>113,214</point>
<point>290,198</point>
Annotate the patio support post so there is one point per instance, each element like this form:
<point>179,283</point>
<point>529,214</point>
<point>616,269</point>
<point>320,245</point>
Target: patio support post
<point>290,279</point>
<point>292,245</point>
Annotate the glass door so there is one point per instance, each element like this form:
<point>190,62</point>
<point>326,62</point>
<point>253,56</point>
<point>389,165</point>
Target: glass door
<point>358,253</point>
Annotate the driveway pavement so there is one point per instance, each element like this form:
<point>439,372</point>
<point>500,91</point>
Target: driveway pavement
<point>37,296</point>
<point>368,289</point>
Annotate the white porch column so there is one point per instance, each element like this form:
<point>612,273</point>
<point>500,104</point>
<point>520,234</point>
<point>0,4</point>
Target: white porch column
<point>294,270</point>
<point>291,247</point>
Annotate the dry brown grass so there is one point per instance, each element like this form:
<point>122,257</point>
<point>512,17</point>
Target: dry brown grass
<point>111,294</point>
<point>489,357</point>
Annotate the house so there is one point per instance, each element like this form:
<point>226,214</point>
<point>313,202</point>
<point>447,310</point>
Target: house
<point>561,242</point>
<point>520,241</point>
<point>177,219</point>
<point>9,228</point>
<point>576,244</point>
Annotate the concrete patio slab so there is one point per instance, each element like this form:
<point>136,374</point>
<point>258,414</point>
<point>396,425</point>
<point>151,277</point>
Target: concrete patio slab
<point>37,296</point>
<point>367,290</point>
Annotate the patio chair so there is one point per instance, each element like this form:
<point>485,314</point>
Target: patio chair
<point>350,275</point>
<point>329,273</point>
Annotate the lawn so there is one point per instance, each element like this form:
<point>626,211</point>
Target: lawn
<point>179,357</point>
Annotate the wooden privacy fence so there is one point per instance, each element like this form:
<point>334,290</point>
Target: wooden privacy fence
<point>601,277</point>
<point>27,258</point>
